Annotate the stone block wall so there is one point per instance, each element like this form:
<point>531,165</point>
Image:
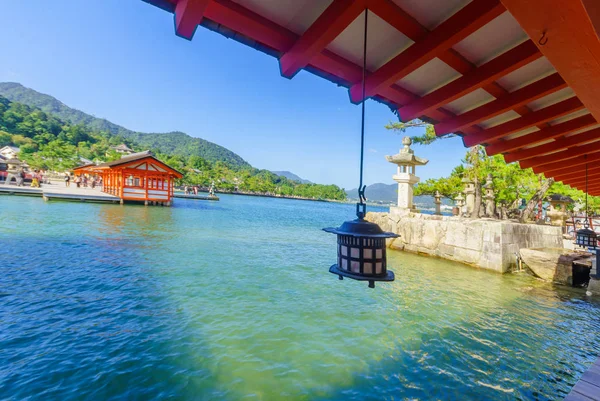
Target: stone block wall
<point>486,243</point>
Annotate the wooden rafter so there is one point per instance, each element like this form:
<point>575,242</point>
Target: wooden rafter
<point>505,103</point>
<point>573,44</point>
<point>549,113</point>
<point>559,144</point>
<point>593,171</point>
<point>405,23</point>
<point>574,164</point>
<point>551,132</point>
<point>569,153</point>
<point>188,14</point>
<point>323,31</point>
<point>507,62</point>
<point>463,23</point>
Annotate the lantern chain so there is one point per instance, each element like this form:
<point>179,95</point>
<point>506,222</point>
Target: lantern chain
<point>360,206</point>
<point>586,193</point>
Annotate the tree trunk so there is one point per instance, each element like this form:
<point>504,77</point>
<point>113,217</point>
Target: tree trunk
<point>535,199</point>
<point>477,206</point>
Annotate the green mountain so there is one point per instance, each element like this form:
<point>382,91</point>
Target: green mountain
<point>47,142</point>
<point>173,143</point>
<point>291,176</point>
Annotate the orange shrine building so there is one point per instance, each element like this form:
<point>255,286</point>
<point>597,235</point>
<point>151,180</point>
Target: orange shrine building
<point>136,177</point>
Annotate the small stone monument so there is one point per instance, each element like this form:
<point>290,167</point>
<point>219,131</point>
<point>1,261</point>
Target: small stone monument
<point>489,197</point>
<point>12,171</point>
<point>469,195</point>
<point>459,201</point>
<point>558,209</point>
<point>438,202</point>
<point>405,175</point>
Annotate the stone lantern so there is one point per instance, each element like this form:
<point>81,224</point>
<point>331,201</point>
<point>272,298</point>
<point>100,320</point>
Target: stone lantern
<point>438,202</point>
<point>459,201</point>
<point>405,175</point>
<point>12,170</point>
<point>489,196</point>
<point>469,195</point>
<point>558,209</point>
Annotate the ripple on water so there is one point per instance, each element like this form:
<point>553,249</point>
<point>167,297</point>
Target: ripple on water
<point>233,300</point>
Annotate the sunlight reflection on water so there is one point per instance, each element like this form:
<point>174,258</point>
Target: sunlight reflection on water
<point>233,299</point>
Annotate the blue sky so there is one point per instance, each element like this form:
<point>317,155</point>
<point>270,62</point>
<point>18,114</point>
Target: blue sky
<point>121,60</point>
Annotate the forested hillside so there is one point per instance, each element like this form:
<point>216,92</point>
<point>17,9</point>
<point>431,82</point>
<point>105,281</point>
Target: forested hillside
<point>174,143</point>
<point>48,142</point>
<point>291,176</point>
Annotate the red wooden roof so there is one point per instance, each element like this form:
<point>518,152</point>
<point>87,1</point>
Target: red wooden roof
<point>521,77</point>
<point>128,160</point>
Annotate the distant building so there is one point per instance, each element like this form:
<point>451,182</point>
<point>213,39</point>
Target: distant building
<point>9,152</point>
<point>123,149</point>
<point>84,162</point>
<point>138,177</point>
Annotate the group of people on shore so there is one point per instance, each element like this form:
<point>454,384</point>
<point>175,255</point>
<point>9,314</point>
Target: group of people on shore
<point>194,189</point>
<point>83,181</point>
<point>37,177</point>
<point>190,190</point>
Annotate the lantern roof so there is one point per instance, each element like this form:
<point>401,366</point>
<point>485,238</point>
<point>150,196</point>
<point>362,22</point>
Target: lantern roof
<point>518,77</point>
<point>557,198</point>
<point>360,228</point>
<point>406,155</point>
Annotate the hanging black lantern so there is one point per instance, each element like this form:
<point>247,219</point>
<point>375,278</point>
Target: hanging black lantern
<point>585,237</point>
<point>361,250</point>
<point>361,244</point>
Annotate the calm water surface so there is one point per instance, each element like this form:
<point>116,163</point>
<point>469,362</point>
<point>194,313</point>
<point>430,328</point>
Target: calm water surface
<point>232,300</point>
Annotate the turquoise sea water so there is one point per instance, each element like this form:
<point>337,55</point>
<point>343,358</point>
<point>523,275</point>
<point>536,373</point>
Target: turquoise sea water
<point>232,300</point>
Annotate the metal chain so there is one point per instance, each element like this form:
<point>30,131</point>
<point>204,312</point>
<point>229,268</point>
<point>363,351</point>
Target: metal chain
<point>360,207</point>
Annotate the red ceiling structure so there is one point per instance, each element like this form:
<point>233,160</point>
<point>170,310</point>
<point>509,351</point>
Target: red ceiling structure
<point>521,77</point>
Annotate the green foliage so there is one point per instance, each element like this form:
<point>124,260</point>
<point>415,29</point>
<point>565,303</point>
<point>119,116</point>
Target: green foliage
<point>424,139</point>
<point>448,187</point>
<point>173,143</point>
<point>47,142</point>
<point>577,196</point>
<point>5,139</point>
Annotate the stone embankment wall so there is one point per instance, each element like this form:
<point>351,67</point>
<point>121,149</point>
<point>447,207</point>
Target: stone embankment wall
<point>486,243</point>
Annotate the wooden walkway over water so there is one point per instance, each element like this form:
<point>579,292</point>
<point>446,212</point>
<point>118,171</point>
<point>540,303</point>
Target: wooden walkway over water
<point>197,197</point>
<point>58,192</point>
<point>588,387</point>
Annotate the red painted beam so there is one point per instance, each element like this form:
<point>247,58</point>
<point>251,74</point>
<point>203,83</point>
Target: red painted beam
<point>511,60</point>
<point>563,143</point>
<point>242,21</point>
<point>508,102</point>
<point>591,190</point>
<point>592,180</point>
<point>323,31</point>
<point>394,15</point>
<point>569,153</point>
<point>188,14</point>
<point>550,132</point>
<point>575,164</point>
<point>593,171</point>
<point>549,113</point>
<point>573,45</point>
<point>466,21</point>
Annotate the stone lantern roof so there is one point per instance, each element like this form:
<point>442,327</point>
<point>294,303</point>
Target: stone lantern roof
<point>560,198</point>
<point>406,156</point>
